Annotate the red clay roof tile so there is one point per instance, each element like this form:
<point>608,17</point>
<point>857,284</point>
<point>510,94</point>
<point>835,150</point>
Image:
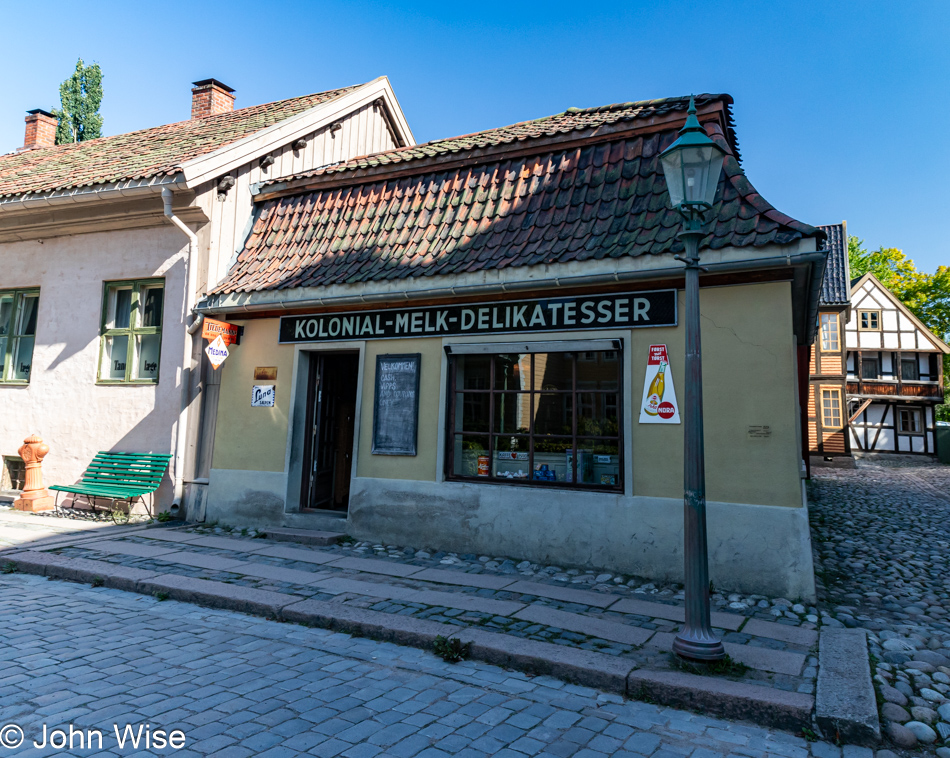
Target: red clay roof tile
<point>143,154</point>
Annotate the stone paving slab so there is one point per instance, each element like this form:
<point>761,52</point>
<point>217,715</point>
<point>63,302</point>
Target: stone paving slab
<point>233,544</point>
<point>295,554</point>
<point>342,585</point>
<point>373,566</point>
<point>729,621</point>
<point>760,658</point>
<point>593,627</point>
<point>170,535</point>
<point>786,633</point>
<point>281,574</point>
<point>460,578</point>
<point>567,594</point>
<point>201,560</point>
<point>423,597</point>
<point>136,549</point>
<point>721,697</point>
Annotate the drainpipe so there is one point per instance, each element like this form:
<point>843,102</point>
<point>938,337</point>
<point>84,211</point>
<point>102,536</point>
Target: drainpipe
<point>182,432</point>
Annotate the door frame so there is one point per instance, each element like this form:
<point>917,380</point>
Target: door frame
<point>294,462</point>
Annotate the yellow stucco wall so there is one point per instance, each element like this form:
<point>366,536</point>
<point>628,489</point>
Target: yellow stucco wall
<point>422,466</point>
<point>249,438</point>
<point>749,380</point>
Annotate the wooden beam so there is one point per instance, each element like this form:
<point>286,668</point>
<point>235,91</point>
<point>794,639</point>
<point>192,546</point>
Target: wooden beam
<point>859,411</point>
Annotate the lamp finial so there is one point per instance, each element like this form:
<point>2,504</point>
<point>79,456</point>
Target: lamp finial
<point>692,123</point>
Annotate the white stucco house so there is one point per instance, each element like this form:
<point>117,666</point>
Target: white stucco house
<point>105,247</point>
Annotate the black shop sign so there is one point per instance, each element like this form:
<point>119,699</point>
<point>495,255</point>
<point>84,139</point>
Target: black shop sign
<point>627,310</point>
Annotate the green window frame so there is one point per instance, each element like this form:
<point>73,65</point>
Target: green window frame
<point>131,331</point>
<point>19,309</point>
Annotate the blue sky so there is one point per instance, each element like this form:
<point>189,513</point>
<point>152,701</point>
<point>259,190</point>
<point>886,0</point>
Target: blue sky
<point>841,107</point>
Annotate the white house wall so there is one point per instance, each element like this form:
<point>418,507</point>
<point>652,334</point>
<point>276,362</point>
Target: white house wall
<point>62,403</point>
<point>362,132</point>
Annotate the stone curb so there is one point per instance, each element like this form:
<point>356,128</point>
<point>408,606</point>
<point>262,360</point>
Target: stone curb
<point>721,697</point>
<point>845,703</point>
<point>724,698</point>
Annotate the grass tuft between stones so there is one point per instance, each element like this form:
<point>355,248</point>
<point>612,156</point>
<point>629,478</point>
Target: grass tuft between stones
<point>8,568</point>
<point>451,650</point>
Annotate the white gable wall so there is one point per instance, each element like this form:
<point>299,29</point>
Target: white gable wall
<point>898,331</point>
<point>362,132</point>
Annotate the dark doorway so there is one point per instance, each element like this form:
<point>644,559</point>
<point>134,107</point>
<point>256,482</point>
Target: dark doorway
<point>331,411</point>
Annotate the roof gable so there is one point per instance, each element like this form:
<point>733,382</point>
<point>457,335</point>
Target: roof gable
<point>558,201</point>
<point>155,152</point>
<point>869,293</point>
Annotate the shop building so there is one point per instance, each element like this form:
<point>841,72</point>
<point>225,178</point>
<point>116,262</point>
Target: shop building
<point>106,246</point>
<point>459,342</point>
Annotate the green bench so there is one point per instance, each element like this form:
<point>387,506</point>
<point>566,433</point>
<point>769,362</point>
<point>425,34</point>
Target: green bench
<point>119,477</point>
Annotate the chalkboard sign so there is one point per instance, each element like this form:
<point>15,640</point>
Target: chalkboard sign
<point>396,405</point>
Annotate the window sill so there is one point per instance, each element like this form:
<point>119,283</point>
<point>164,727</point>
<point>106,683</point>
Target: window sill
<point>540,485</point>
<point>126,384</point>
<point>10,383</point>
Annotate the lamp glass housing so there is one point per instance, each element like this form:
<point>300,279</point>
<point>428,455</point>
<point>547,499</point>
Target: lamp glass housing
<point>692,173</point>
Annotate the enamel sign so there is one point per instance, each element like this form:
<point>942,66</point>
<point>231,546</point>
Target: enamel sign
<point>659,398</point>
<point>614,311</point>
<point>263,396</point>
<point>217,351</point>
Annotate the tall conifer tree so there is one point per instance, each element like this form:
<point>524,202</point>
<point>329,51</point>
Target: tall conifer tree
<point>80,96</point>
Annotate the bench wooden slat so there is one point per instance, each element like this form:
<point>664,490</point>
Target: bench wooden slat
<point>121,476</point>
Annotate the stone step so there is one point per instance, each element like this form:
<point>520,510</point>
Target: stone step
<point>761,658</point>
<point>304,536</point>
<point>589,625</point>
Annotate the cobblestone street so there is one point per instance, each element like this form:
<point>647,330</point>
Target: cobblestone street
<point>882,537</point>
<point>237,686</point>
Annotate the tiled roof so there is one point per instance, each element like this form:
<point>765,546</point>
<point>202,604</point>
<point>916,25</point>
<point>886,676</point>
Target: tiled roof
<point>560,124</point>
<point>605,198</point>
<point>836,287</point>
<point>143,154</point>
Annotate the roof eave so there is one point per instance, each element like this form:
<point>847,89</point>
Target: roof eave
<point>125,188</point>
<point>604,133</point>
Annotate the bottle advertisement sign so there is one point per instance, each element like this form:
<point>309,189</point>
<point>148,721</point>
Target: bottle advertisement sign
<point>659,398</point>
<point>217,351</point>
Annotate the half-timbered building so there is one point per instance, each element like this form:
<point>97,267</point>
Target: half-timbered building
<point>895,373</point>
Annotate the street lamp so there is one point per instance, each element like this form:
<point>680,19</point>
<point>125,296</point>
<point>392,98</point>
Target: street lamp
<point>692,166</point>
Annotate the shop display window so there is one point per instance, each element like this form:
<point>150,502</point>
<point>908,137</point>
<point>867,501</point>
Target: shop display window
<point>542,418</point>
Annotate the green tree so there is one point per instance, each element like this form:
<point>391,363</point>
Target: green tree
<point>80,97</point>
<point>927,296</point>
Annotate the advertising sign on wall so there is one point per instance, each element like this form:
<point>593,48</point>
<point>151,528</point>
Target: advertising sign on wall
<point>217,351</point>
<point>659,398</point>
<point>263,396</point>
<point>626,310</point>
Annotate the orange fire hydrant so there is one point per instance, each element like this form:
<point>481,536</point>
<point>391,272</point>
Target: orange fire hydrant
<point>35,497</point>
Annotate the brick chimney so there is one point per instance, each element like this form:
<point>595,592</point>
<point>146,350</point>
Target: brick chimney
<point>209,97</point>
<point>40,129</point>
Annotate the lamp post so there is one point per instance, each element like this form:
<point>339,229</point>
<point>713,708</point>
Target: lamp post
<point>692,166</point>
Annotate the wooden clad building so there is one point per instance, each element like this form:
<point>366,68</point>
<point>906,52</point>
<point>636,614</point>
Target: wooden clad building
<point>826,410</point>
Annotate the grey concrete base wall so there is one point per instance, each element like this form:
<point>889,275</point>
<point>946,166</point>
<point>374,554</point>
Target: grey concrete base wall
<point>246,498</point>
<point>752,548</point>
